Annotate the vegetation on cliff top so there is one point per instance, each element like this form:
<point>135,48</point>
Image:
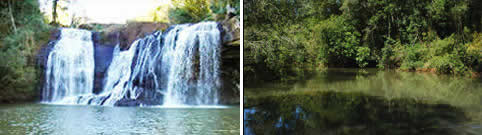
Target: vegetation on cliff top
<point>287,38</point>
<point>189,11</point>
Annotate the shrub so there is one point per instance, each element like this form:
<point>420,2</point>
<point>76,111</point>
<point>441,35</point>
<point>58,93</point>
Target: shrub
<point>474,53</point>
<point>391,54</point>
<point>188,11</point>
<point>362,55</point>
<point>340,41</point>
<point>285,51</point>
<point>412,57</point>
<point>191,11</point>
<point>448,63</point>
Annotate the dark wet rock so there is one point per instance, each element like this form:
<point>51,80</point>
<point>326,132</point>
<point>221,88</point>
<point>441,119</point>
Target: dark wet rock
<point>103,58</point>
<point>146,97</point>
<point>103,54</point>
<point>230,54</point>
<point>231,29</point>
<point>128,102</point>
<point>125,35</point>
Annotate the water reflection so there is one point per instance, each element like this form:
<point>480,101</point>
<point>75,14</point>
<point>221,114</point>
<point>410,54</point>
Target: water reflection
<point>366,101</point>
<point>454,90</point>
<point>349,113</point>
<point>55,119</point>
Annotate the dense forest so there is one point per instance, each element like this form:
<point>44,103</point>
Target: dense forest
<point>24,29</point>
<point>286,39</point>
<point>22,32</point>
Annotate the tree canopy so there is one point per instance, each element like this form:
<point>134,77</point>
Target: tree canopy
<point>405,34</point>
<point>22,32</point>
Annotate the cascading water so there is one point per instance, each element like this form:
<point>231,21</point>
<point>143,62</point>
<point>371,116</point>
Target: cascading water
<point>122,75</point>
<point>176,68</point>
<point>70,67</point>
<point>184,86</point>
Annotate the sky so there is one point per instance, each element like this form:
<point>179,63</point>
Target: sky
<point>106,11</point>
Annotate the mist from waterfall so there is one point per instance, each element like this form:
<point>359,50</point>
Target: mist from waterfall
<point>179,67</point>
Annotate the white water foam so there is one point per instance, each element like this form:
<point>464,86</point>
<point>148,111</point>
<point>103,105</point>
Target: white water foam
<point>70,67</point>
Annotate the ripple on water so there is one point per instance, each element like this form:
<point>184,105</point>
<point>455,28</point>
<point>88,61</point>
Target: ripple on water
<point>55,119</point>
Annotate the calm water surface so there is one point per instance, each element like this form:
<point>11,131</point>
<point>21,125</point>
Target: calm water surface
<point>62,119</point>
<point>366,101</point>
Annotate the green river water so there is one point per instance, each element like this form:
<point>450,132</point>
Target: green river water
<point>366,102</point>
<point>86,120</point>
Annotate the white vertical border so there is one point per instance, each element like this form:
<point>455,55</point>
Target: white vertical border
<point>241,70</point>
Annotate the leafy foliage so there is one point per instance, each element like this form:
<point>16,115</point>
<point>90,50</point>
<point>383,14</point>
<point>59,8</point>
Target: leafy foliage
<point>409,34</point>
<point>18,74</point>
<point>340,41</point>
<point>189,11</point>
<point>186,11</point>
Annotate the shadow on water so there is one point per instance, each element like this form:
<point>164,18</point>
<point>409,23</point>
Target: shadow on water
<point>328,112</point>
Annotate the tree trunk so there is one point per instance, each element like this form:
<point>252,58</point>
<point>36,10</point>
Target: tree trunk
<point>11,16</point>
<point>54,12</point>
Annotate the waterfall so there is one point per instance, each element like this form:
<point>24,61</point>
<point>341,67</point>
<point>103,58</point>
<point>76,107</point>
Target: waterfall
<point>197,46</point>
<point>70,67</point>
<point>176,68</point>
<point>121,75</point>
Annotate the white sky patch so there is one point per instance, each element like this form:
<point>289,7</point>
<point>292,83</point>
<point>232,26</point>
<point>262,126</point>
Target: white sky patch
<point>107,11</point>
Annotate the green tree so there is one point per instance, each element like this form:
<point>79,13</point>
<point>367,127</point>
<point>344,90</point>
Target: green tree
<point>18,49</point>
<point>186,11</point>
<point>356,33</point>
